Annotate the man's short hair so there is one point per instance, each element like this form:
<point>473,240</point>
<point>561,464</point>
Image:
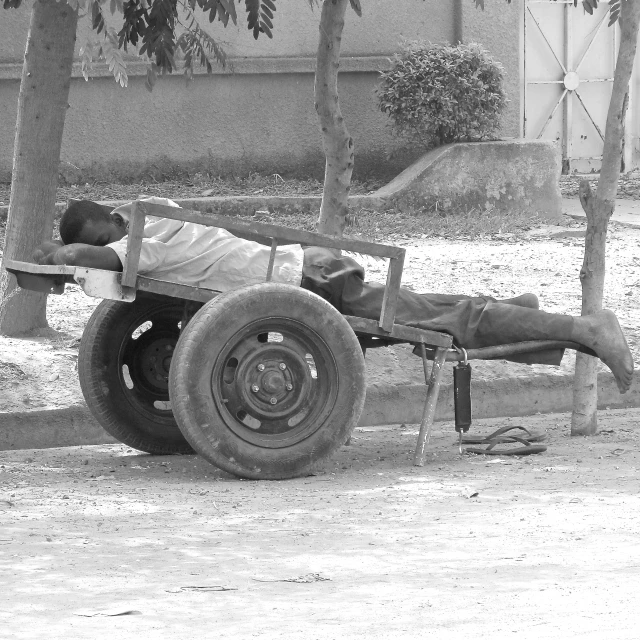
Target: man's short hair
<point>77,215</point>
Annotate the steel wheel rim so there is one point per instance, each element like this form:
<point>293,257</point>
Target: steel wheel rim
<point>149,378</point>
<point>272,392</point>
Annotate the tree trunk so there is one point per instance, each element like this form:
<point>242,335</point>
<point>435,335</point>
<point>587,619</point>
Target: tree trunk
<point>42,106</point>
<point>599,208</point>
<point>338,145</point>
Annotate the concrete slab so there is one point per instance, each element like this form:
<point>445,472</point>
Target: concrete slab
<point>627,212</point>
<point>507,175</point>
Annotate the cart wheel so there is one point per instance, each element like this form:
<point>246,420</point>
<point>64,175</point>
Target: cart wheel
<point>267,381</point>
<point>123,367</point>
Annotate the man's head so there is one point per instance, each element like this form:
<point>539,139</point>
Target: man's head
<point>88,222</point>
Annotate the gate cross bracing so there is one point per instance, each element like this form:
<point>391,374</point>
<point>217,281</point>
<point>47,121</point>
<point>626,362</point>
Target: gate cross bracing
<point>569,64</point>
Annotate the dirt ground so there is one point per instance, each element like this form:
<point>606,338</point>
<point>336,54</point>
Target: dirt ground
<point>544,546</point>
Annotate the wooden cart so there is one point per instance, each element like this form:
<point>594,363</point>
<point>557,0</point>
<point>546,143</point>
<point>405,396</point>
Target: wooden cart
<point>265,381</point>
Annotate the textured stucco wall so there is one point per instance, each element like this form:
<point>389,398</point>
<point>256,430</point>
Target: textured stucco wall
<point>14,24</point>
<point>497,28</point>
<point>382,26</point>
<point>262,117</point>
<point>238,123</point>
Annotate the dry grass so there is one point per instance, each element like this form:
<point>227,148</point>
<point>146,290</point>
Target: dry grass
<point>369,224</point>
<point>196,185</point>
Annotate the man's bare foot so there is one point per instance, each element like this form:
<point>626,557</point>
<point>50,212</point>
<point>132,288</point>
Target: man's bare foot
<point>601,332</point>
<point>528,300</point>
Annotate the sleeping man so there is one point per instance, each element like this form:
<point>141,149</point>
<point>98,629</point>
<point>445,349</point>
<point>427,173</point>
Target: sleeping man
<point>192,254</point>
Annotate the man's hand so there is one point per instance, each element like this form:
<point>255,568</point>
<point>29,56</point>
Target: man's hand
<point>44,253</point>
<point>77,255</point>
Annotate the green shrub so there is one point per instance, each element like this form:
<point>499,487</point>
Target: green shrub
<point>436,94</point>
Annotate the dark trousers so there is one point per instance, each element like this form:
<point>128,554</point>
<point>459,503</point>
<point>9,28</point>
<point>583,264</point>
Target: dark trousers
<point>472,321</point>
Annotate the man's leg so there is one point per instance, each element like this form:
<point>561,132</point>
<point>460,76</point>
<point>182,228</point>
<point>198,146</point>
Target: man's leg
<point>340,280</point>
<point>473,321</point>
<point>601,332</point>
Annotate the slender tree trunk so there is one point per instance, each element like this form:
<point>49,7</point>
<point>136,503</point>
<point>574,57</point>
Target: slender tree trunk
<point>338,145</point>
<point>42,106</point>
<point>599,208</point>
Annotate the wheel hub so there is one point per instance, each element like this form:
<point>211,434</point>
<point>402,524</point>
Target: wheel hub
<point>271,382</point>
<point>155,361</point>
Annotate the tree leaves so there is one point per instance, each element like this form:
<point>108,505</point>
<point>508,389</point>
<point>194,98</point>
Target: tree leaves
<point>116,5</point>
<point>108,51</point>
<point>158,38</point>
<point>134,24</point>
<point>259,16</point>
<point>113,58</point>
<point>196,44</point>
<point>86,57</point>
<point>97,19</point>
<point>614,12</point>
<point>152,77</point>
<point>591,5</point>
<point>356,6</point>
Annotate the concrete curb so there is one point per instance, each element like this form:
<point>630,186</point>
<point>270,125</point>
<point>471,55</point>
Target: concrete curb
<point>502,397</point>
<point>385,404</point>
<point>66,427</point>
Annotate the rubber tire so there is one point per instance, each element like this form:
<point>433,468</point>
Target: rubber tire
<point>204,339</point>
<point>102,383</point>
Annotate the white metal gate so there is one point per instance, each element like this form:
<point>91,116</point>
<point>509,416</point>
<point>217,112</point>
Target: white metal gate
<point>569,61</point>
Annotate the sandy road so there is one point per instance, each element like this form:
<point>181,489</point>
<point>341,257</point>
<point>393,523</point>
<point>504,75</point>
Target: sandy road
<point>544,546</point>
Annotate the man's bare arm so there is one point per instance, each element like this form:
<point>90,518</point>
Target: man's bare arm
<point>79,255</point>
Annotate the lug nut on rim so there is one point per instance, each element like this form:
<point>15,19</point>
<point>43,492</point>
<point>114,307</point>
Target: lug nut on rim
<point>255,388</point>
<point>273,401</point>
<point>282,366</point>
<point>289,387</point>
<point>260,367</point>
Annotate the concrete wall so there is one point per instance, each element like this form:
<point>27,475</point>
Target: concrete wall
<point>261,116</point>
<point>498,28</point>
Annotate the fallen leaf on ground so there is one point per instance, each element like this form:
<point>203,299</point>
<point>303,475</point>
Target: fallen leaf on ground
<point>108,613</point>
<point>213,587</point>
<point>308,578</point>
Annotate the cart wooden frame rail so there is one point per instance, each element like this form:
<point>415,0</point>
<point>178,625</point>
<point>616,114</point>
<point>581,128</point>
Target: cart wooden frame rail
<point>430,345</point>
